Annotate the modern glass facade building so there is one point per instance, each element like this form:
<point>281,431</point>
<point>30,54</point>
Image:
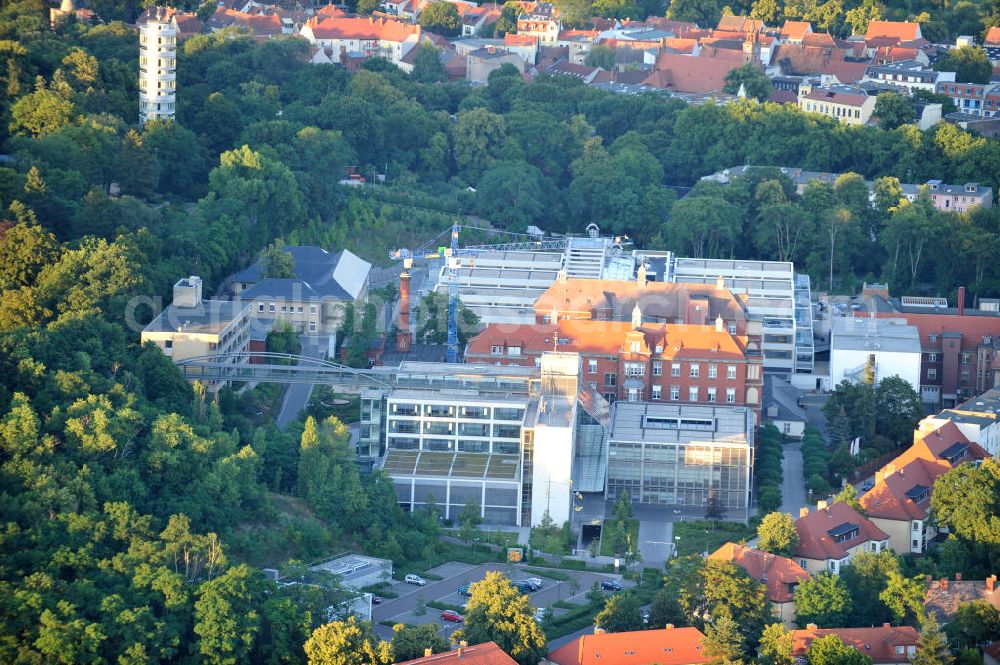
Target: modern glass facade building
<point>678,454</point>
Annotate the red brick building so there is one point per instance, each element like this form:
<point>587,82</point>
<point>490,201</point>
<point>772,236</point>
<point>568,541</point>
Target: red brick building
<point>637,361</point>
<point>960,354</point>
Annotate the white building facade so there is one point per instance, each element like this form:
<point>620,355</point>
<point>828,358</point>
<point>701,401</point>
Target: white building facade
<point>157,65</point>
<point>890,345</point>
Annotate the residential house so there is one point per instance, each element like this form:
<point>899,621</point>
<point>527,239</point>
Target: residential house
<point>792,32</point>
<point>888,55</point>
<point>992,36</point>
<point>895,31</point>
<point>637,361</point>
<point>264,26</point>
<point>885,645</point>
<point>819,60</point>
<point>908,74</point>
<point>779,574</point>
<point>832,535</point>
<point>482,62</point>
<point>578,42</point>
<point>473,20</point>
<point>944,596</point>
<point>974,99</point>
<point>488,653</point>
<point>407,10</point>
<point>846,104</point>
<point>956,198</point>
<point>691,74</point>
<point>191,327</point>
<point>942,443</point>
<point>540,20</point>
<point>525,45</point>
<point>976,419</point>
<point>363,37</point>
<point>314,297</point>
<point>667,646</point>
<point>900,501</point>
<point>781,407</point>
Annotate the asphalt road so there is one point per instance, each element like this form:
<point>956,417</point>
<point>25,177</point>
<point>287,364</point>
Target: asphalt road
<point>297,394</point>
<point>793,490</point>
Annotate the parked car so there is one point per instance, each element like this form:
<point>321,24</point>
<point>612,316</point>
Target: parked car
<point>376,600</point>
<point>415,579</point>
<point>537,581</point>
<point>540,614</point>
<point>523,586</point>
<point>464,590</point>
<point>868,486</point>
<point>531,584</point>
<point>451,615</point>
<point>611,585</point>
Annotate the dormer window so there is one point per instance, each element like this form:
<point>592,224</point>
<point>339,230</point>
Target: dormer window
<point>918,493</point>
<point>635,347</point>
<point>845,532</point>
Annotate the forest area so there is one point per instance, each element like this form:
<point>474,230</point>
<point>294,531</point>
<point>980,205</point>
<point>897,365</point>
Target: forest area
<point>131,500</point>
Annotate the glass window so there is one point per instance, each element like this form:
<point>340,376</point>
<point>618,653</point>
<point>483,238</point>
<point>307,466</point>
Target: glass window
<point>675,369</point>
<point>713,371</point>
<point>711,394</point>
<point>592,366</point>
<point>657,369</point>
<point>730,395</point>
<point>675,393</point>
<point>312,309</point>
<point>693,394</point>
<point>656,394</point>
<point>695,370</point>
<point>731,372</point>
<point>610,378</point>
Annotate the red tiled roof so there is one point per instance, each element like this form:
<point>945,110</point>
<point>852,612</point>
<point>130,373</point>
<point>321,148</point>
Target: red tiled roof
<point>944,596</point>
<point>680,44</point>
<point>363,28</point>
<point>779,573</point>
<point>576,34</point>
<point>802,60</point>
<point>188,24</point>
<point>993,39</point>
<point>330,11</point>
<point>740,24</point>
<point>511,39</point>
<point>783,97</point>
<point>262,25</point>
<point>900,30</point>
<point>972,328</point>
<point>895,54</point>
<point>816,543</point>
<point>795,29</point>
<point>487,653</point>
<point>669,646</point>
<point>931,443</point>
<point>608,337</point>
<point>685,73</point>
<point>615,300</point>
<point>877,643</point>
<point>889,500</point>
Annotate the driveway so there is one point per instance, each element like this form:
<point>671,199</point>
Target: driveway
<point>297,394</point>
<point>793,490</point>
<point>655,542</point>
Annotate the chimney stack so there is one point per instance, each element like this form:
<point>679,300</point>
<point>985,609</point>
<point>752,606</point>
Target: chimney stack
<point>403,333</point>
<point>811,626</point>
<point>821,505</point>
<point>961,300</point>
<point>720,325</point>
<point>958,577</point>
<point>943,584</point>
<point>640,276</point>
<point>887,625</point>
<point>428,653</point>
<point>991,583</point>
<point>462,646</point>
<point>599,631</point>
<point>803,511</point>
<point>720,283</point>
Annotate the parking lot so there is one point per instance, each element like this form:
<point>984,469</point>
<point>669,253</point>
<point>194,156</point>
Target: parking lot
<point>456,575</point>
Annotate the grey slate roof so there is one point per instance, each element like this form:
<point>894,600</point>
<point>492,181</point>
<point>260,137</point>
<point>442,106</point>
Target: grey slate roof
<point>318,274</point>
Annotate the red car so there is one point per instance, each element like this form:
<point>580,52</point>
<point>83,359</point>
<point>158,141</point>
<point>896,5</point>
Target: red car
<point>451,615</point>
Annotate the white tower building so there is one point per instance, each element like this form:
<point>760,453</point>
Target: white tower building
<point>157,64</point>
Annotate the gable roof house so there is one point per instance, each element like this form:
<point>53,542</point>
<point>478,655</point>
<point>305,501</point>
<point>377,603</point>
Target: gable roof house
<point>691,74</point>
<point>779,574</point>
<point>944,443</point>
<point>361,37</point>
<point>667,646</point>
<point>897,31</point>
<point>885,645</point>
<point>488,653</point>
<point>900,501</point>
<point>830,537</point>
<point>944,596</point>
<point>792,32</point>
<point>314,297</point>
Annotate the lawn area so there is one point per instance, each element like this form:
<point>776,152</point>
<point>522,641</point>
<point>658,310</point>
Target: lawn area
<point>698,537</point>
<point>631,528</point>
